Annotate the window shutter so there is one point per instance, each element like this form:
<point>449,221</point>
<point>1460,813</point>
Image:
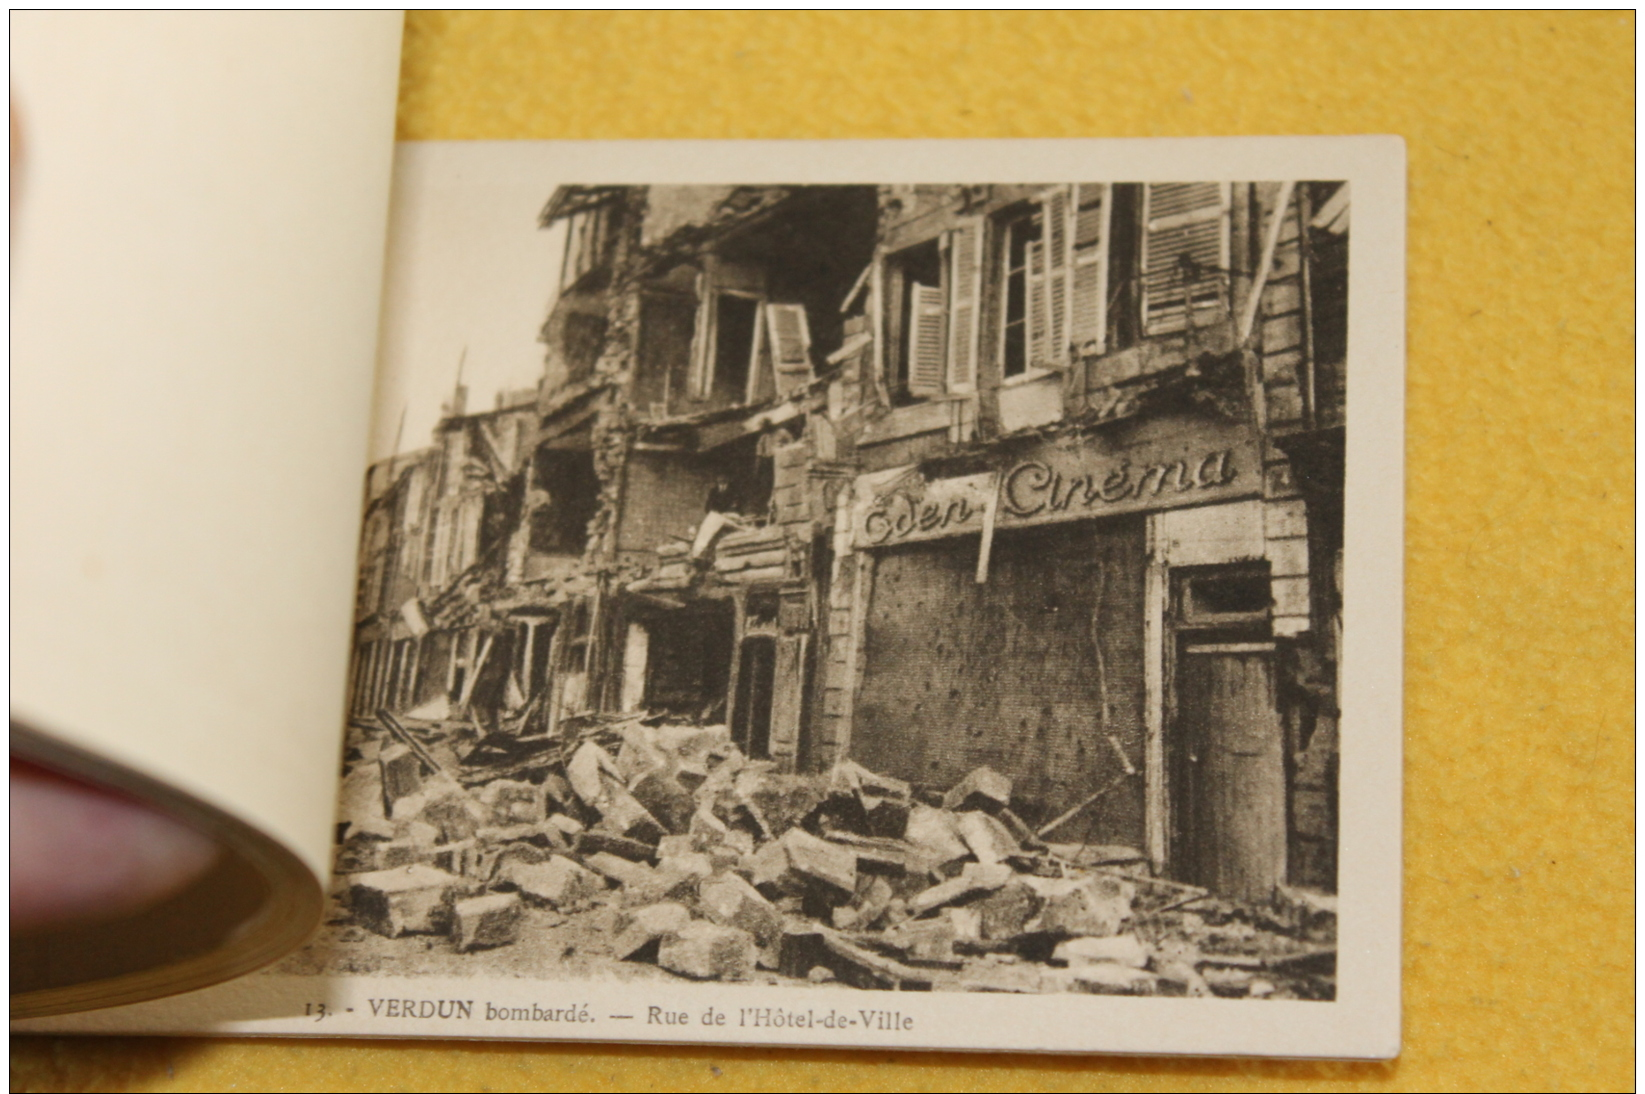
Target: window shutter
<point>788,695</point>
<point>1056,243</point>
<point>1187,231</point>
<point>965,278</point>
<point>1088,311</point>
<point>702,340</point>
<point>927,316</point>
<point>790,339</point>
<point>1035,257</point>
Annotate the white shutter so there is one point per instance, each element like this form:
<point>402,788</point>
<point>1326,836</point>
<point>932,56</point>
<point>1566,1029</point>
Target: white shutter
<point>1187,226</point>
<point>1034,254</point>
<point>965,281</point>
<point>790,338</point>
<point>702,340</point>
<point>926,360</point>
<point>1056,244</point>
<point>1088,310</point>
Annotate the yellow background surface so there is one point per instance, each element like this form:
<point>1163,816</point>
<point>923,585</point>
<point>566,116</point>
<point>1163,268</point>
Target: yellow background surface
<point>1518,959</point>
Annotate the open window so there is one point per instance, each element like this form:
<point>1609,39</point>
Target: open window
<point>567,476</point>
<point>1053,271</point>
<point>929,314</point>
<point>589,239</point>
<point>728,344</point>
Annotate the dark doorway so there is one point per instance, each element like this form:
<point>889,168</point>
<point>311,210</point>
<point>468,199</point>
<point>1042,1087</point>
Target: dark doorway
<point>756,680</point>
<point>688,661</point>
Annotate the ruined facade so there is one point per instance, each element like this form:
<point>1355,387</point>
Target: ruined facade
<point>1041,478</point>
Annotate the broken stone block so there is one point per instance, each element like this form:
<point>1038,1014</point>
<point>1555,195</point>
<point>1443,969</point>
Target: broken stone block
<point>691,775</point>
<point>596,842</point>
<point>466,858</point>
<point>623,815</point>
<point>1123,949</point>
<point>416,831</point>
<point>457,815</point>
<point>874,896</point>
<point>540,834</point>
<point>984,789</point>
<point>708,951</point>
<point>665,799</point>
<point>513,802</point>
<point>973,881</point>
<point>674,878</point>
<point>679,845</point>
<point>1007,911</point>
<point>365,851</point>
<point>1096,905</point>
<point>587,771</point>
<point>558,789</point>
<point>639,928</point>
<point>401,773</point>
<point>693,864</point>
<point>408,807</point>
<point>706,827</point>
<point>801,949</point>
<point>861,968</point>
<point>933,832</point>
<point>777,802</point>
<point>639,753</point>
<point>800,862</point>
<point>632,875</point>
<point>485,921</point>
<point>732,902</point>
<point>361,795</point>
<point>558,883</point>
<point>864,802</point>
<point>989,840</point>
<point>568,825</point>
<point>880,855</point>
<point>1229,983</point>
<point>528,853</point>
<point>405,900</point>
<point>371,826</point>
<point>924,939</point>
<point>967,923</point>
<point>1111,979</point>
<point>724,857</point>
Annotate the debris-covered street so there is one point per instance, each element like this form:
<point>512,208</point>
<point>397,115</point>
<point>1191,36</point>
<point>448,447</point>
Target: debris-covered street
<point>636,850</point>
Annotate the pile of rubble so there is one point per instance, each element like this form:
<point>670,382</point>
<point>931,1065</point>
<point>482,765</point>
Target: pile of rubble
<point>714,866</point>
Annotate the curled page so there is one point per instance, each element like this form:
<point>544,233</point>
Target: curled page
<point>197,255</point>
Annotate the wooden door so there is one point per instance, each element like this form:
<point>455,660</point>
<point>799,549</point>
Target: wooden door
<point>1230,797</point>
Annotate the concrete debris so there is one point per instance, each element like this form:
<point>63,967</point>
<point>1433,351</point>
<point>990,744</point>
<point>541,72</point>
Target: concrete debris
<point>984,789</point>
<point>484,921</point>
<point>672,848</point>
<point>708,951</point>
<point>406,900</point>
<point>647,925</point>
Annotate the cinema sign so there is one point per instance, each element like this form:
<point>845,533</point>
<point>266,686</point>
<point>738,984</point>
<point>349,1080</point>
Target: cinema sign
<point>1055,484</point>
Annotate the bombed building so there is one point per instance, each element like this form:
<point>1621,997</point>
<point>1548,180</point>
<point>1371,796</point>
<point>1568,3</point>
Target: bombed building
<point>916,482</point>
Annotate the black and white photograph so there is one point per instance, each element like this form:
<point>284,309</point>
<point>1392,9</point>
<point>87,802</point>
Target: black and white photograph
<point>919,587</point>
<point>801,603</point>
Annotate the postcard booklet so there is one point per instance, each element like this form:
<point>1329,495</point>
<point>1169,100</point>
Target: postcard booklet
<point>884,594</point>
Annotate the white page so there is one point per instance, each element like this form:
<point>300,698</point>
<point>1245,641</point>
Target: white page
<point>197,258</point>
